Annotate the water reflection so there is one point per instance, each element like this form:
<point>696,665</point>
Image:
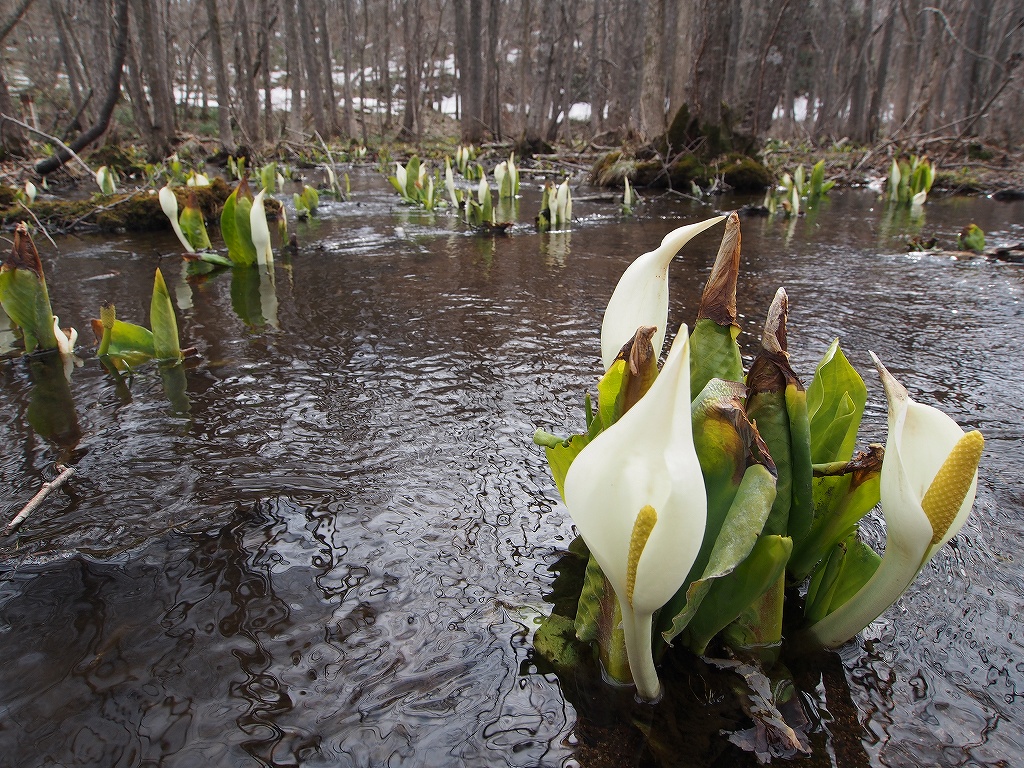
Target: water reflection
<point>335,557</point>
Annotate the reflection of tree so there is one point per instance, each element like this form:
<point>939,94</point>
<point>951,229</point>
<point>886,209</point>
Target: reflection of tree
<point>248,611</point>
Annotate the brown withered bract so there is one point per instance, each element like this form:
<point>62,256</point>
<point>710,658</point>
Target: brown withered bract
<point>641,365</point>
<point>718,301</point>
<point>771,370</point>
<point>24,254</point>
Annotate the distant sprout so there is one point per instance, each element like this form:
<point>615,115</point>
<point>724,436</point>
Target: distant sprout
<point>796,189</point>
<point>971,238</point>
<point>359,153</point>
<point>30,191</point>
<point>628,198</point>
<point>196,179</point>
<point>268,176</point>
<point>910,181</point>
<point>307,203</point>
<point>480,210</point>
<point>464,155</point>
<point>454,195</point>
<point>506,177</point>
<point>106,178</point>
<point>695,189</point>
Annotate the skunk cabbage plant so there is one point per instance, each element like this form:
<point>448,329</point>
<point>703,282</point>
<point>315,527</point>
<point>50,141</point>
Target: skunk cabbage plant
<point>702,491</point>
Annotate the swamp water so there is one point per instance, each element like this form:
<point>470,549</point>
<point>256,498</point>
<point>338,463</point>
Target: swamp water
<point>331,547</point>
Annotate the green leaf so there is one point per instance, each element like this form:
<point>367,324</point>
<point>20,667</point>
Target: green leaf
<point>310,198</point>
<point>25,299</point>
<point>739,533</point>
<point>192,224</point>
<point>161,317</point>
<point>599,620</point>
<point>714,354</point>
<point>731,595</point>
<point>235,227</point>
<point>130,343</point>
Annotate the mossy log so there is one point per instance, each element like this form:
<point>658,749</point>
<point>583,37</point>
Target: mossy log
<point>688,153</point>
<point>133,212</point>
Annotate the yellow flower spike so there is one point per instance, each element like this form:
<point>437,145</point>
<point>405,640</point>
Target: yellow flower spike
<point>644,461</point>
<point>641,295</point>
<point>928,482</point>
<point>949,488</point>
<point>641,533</point>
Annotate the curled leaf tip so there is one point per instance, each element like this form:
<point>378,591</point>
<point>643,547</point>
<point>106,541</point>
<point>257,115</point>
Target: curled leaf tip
<point>718,301</point>
<point>639,350</point>
<point>774,337</point>
<point>947,492</point>
<point>895,393</point>
<point>642,528</point>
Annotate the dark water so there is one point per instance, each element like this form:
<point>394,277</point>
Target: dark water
<point>331,550</point>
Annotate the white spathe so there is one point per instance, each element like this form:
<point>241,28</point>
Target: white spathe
<point>169,204</point>
<point>920,440</point>
<point>646,458</point>
<point>641,296</point>
<point>261,231</point>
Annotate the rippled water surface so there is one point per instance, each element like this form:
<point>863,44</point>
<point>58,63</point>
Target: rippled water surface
<point>330,548</point>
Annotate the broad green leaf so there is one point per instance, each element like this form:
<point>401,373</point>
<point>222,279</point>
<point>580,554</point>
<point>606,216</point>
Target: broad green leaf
<point>23,293</point>
<point>193,226</point>
<point>835,404</point>
<point>729,596</point>
<point>739,532</point>
<point>161,316</point>
<point>714,354</point>
<point>25,299</point>
<point>235,227</point>
<point>599,620</point>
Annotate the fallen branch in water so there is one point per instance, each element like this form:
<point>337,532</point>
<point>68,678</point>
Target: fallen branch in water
<point>39,498</point>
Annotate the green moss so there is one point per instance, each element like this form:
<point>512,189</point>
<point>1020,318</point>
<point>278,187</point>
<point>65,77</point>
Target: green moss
<point>136,212</point>
<point>745,174</point>
<point>8,196</point>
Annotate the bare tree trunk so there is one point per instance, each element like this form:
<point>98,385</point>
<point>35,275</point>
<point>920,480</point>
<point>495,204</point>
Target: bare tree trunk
<point>469,60</point>
<point>220,71</point>
<point>708,74</point>
<point>652,85</point>
<point>264,31</point>
<point>245,76</point>
<point>113,92</point>
<point>411,20</point>
<point>157,78</point>
<point>314,85</point>
<point>327,56</point>
<point>293,64</point>
<point>347,41</point>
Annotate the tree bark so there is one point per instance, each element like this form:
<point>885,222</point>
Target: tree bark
<point>59,157</point>
<point>652,83</point>
<point>220,71</point>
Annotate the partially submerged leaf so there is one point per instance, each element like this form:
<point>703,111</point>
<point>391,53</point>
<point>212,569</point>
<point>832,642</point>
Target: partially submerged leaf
<point>23,293</point>
<point>161,316</point>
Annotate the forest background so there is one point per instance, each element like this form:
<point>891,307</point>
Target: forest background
<point>914,73</point>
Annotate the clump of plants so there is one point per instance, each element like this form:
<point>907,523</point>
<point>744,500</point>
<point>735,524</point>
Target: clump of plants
<point>555,207</point>
<point>909,181</point>
<point>703,489</point>
<point>798,189</point>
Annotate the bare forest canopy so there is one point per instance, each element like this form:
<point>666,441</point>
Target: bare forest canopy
<point>600,71</point>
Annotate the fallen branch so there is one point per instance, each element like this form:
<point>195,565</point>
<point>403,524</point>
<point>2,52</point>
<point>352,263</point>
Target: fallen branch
<point>39,498</point>
<point>40,225</point>
<point>48,137</point>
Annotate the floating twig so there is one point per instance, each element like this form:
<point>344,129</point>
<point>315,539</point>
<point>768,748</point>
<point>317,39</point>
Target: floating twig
<point>39,498</point>
<point>40,225</point>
